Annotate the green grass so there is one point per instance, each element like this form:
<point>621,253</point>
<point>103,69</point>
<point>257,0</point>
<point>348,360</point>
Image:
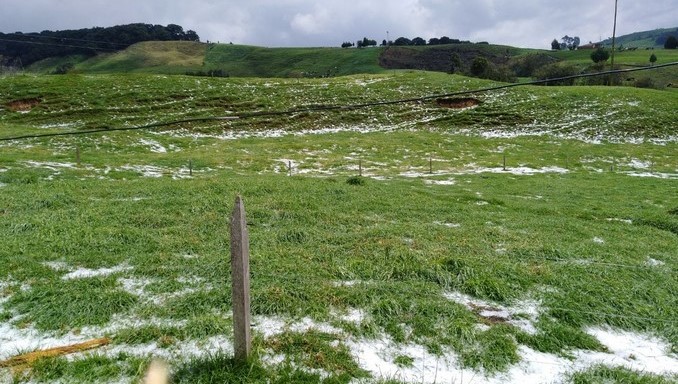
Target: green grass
<point>291,62</point>
<point>326,241</point>
<point>175,57</point>
<point>637,57</point>
<point>617,375</point>
<point>250,61</point>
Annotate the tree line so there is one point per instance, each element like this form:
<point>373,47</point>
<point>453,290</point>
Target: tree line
<point>404,41</point>
<point>22,49</point>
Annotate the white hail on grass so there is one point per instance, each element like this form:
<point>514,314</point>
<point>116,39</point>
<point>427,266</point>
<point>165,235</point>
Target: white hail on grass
<point>523,314</point>
<point>639,164</point>
<point>82,273</point>
<point>654,262</point>
<point>53,166</point>
<point>154,146</point>
<point>57,265</point>
<point>657,175</point>
<point>448,225</point>
<point>440,182</point>
<point>626,221</point>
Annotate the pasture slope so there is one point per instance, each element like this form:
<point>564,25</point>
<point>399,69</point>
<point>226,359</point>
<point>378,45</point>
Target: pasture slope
<point>181,57</point>
<point>529,237</point>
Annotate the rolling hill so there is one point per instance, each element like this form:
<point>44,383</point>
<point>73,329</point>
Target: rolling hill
<point>646,39</point>
<point>228,60</point>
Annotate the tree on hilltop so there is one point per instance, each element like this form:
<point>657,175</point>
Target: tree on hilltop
<point>555,45</point>
<point>365,42</point>
<point>570,43</point>
<point>418,41</point>
<point>402,41</point>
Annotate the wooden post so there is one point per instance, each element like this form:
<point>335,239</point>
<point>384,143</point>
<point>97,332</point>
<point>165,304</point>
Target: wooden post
<point>190,167</point>
<point>360,167</point>
<point>289,166</point>
<point>240,274</point>
<point>430,165</point>
<point>77,155</point>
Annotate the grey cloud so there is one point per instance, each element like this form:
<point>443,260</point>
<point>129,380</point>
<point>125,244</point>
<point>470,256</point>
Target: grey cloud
<point>528,23</point>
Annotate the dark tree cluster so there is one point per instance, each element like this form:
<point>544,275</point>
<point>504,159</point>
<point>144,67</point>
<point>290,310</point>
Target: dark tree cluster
<point>365,42</point>
<point>567,42</point>
<point>27,48</point>
<point>404,41</point>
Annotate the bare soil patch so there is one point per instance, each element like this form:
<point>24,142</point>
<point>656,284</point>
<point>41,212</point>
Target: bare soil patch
<point>458,102</point>
<point>23,105</point>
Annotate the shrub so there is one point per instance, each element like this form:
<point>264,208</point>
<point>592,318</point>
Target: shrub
<point>63,69</point>
<point>356,180</point>
<point>525,66</point>
<point>600,55</point>
<point>555,71</point>
<point>484,69</point>
<point>645,82</point>
<point>480,66</point>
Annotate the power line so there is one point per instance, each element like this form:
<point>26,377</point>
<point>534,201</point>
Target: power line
<point>248,115</point>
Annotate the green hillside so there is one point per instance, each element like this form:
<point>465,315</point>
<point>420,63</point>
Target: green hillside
<point>169,57</point>
<point>645,39</point>
<point>228,60</point>
<point>239,60</point>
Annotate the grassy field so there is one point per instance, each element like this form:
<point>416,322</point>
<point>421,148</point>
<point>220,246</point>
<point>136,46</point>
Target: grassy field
<point>530,238</point>
<point>623,58</point>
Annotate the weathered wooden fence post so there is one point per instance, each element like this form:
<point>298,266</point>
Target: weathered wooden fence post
<point>289,166</point>
<point>240,274</point>
<point>190,167</point>
<point>77,155</point>
<point>430,165</point>
<point>360,167</point>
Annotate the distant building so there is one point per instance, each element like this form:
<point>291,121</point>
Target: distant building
<point>590,46</point>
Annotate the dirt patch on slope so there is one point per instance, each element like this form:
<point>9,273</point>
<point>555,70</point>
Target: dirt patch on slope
<point>23,105</point>
<point>458,102</point>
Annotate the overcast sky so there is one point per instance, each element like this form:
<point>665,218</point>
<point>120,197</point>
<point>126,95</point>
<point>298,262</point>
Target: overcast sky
<point>276,23</point>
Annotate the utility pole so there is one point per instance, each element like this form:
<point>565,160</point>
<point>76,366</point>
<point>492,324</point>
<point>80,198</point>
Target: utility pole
<point>614,34</point>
